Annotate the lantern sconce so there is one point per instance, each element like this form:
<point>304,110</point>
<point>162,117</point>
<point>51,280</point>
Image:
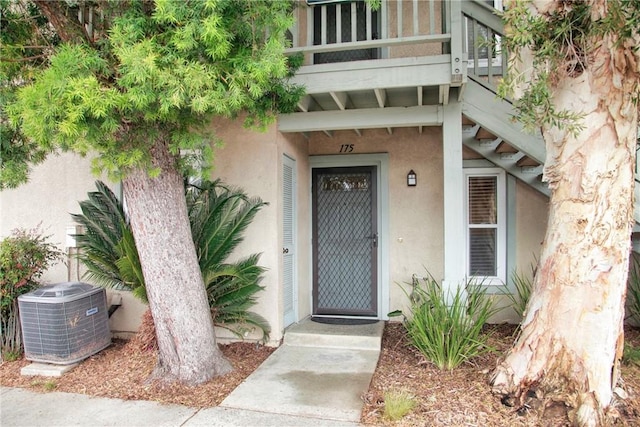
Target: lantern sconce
<point>412,179</point>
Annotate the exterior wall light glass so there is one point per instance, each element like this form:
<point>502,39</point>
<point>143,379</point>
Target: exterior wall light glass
<point>412,178</point>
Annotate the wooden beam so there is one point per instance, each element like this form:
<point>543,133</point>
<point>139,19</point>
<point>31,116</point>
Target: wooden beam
<point>381,96</point>
<point>443,94</point>
<point>368,75</point>
<point>370,44</point>
<point>341,99</point>
<point>366,118</point>
<point>307,103</point>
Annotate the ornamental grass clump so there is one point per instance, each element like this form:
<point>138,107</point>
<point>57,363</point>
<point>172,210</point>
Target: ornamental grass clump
<point>398,403</point>
<point>446,326</point>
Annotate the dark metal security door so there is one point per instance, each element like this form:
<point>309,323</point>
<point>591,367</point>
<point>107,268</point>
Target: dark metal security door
<point>345,241</point>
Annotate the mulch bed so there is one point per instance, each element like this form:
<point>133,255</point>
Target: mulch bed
<point>461,397</point>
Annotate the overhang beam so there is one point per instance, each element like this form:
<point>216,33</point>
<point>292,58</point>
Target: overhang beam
<point>366,118</point>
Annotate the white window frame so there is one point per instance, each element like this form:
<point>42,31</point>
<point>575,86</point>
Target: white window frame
<point>501,236</point>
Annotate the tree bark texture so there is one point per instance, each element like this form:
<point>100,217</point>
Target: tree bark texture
<point>186,338</point>
<point>572,333</point>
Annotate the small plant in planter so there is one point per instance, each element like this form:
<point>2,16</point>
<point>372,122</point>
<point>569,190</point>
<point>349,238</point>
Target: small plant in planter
<point>24,256</point>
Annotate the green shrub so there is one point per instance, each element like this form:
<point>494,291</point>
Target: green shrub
<point>631,354</point>
<point>523,284</point>
<point>398,403</point>
<point>447,327</point>
<point>633,290</point>
<point>24,257</point>
<point>218,216</point>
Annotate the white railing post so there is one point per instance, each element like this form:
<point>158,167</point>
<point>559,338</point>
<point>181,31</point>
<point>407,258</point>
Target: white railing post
<point>339,23</point>
<point>399,18</point>
<point>323,24</point>
<point>457,66</point>
<point>354,22</point>
<point>432,17</point>
<point>416,22</point>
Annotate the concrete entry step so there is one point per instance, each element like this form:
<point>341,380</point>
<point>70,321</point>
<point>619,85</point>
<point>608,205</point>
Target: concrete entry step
<point>308,333</point>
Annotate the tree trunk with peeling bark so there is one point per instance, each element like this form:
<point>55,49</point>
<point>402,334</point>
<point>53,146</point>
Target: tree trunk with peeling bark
<point>572,333</point>
<point>187,349</point>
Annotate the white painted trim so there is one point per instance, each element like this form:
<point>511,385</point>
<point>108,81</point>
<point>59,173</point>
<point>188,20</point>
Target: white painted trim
<point>501,238</point>
<point>454,231</point>
<point>375,73</point>
<point>511,229</point>
<point>364,118</point>
<point>291,162</point>
<point>381,161</point>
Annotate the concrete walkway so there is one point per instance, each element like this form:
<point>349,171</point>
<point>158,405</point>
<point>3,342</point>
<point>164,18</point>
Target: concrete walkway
<point>317,377</point>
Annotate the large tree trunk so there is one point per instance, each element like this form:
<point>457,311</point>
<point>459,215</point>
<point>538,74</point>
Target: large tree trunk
<point>572,334</point>
<point>186,340</point>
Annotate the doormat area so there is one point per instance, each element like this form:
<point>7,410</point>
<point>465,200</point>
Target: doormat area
<point>340,321</point>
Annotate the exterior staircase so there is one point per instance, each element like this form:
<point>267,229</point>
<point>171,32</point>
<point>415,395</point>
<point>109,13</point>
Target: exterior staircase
<point>488,129</point>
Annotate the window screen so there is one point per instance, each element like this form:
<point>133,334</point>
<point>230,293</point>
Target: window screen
<point>483,225</point>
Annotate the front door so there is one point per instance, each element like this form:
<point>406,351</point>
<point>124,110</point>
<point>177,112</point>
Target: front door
<point>345,241</point>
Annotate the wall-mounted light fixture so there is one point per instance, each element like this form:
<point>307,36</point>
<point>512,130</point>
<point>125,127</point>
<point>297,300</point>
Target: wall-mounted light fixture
<point>412,178</point>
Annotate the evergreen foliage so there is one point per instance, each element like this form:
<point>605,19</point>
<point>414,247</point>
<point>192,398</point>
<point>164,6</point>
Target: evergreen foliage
<point>147,70</point>
<point>446,327</point>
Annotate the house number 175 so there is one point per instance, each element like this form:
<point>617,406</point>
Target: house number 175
<point>346,148</point>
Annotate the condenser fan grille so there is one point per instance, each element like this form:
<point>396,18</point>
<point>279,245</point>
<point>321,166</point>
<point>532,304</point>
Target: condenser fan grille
<point>64,323</point>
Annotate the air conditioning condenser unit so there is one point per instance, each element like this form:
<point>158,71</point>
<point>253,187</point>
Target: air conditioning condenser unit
<point>64,323</point>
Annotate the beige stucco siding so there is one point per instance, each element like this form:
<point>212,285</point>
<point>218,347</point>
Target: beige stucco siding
<point>253,161</point>
<point>415,213</point>
<point>46,200</point>
<point>49,197</point>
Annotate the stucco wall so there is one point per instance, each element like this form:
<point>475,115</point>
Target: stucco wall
<point>415,213</point>
<point>49,197</point>
<point>253,160</point>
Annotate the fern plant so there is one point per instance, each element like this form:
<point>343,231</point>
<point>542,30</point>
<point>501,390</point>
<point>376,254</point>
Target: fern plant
<point>218,217</point>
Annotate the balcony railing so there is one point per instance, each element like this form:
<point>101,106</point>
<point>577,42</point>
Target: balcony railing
<point>487,58</point>
<point>328,31</point>
<point>329,27</point>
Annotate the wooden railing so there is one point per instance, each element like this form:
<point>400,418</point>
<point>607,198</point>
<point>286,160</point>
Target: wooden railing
<point>336,27</point>
<point>487,59</point>
<point>342,31</point>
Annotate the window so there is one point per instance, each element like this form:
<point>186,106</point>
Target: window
<point>486,224</point>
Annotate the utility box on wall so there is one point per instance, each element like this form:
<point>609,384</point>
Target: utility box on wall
<point>64,323</point>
